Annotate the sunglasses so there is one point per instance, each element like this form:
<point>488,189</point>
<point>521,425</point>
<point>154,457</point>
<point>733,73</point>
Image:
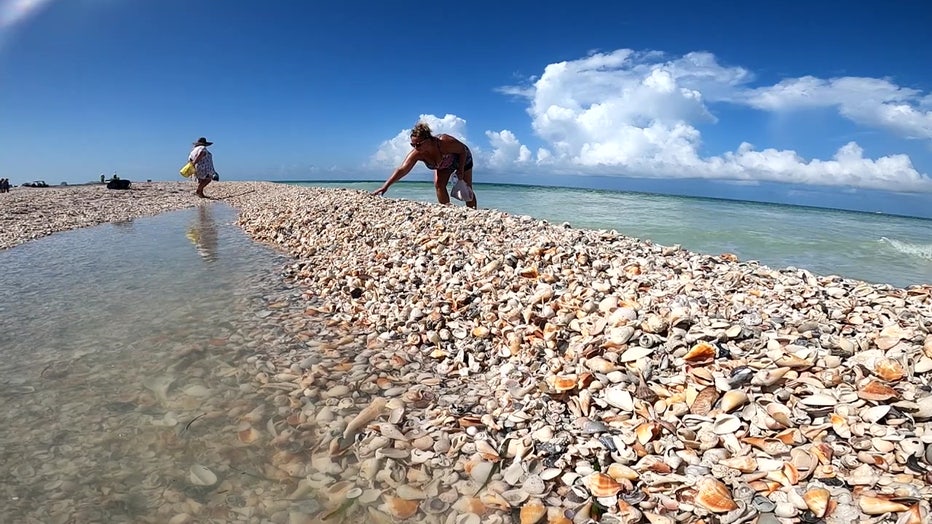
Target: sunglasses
<point>416,145</point>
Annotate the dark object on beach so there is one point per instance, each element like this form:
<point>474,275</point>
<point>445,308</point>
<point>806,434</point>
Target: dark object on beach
<point>37,183</point>
<point>216,177</point>
<point>118,184</point>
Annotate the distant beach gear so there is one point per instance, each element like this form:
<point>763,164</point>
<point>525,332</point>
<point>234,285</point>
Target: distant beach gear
<point>187,170</point>
<point>462,191</point>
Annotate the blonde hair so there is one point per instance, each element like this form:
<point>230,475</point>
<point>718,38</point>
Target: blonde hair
<point>421,130</point>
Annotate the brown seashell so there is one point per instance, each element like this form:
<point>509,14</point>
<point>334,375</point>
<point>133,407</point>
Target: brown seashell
<point>400,508</point>
<point>912,516</point>
<point>601,485</point>
<point>532,512</point>
<point>875,390</point>
<point>765,487</point>
<point>817,501</point>
<point>878,506</point>
<point>889,370</point>
<point>619,471</point>
<point>793,362</point>
<point>701,352</point>
<point>704,401</point>
<point>714,496</point>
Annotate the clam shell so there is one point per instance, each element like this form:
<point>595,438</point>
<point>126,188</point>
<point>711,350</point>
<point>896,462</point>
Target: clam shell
<point>201,476</point>
<point>532,512</point>
<point>726,424</point>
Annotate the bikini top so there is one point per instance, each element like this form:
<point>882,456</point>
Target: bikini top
<point>446,160</point>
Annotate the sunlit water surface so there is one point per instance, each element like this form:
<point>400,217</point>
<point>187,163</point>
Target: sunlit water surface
<point>123,381</point>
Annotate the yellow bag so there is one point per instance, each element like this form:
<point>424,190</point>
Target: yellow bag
<point>187,170</point>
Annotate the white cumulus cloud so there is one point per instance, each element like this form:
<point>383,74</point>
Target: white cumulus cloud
<point>631,113</point>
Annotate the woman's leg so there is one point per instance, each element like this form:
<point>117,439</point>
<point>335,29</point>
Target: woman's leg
<point>441,179</point>
<point>201,184</point>
<point>467,177</point>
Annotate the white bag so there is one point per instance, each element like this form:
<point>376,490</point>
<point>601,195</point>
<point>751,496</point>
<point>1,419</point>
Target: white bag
<point>462,191</point>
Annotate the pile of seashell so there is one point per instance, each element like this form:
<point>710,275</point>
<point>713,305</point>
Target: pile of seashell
<point>502,369</point>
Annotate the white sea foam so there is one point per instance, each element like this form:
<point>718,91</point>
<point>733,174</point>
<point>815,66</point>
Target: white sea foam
<point>916,250</point>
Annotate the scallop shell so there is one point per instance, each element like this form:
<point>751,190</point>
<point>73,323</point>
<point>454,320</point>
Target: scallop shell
<point>714,496</point>
<point>532,512</point>
<point>400,508</point>
<point>201,476</point>
<point>601,485</point>
<point>704,401</point>
<point>875,390</point>
<point>889,370</point>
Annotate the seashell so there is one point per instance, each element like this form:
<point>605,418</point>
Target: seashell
<point>732,400</point>
<point>487,450</point>
<point>875,390</point>
<point>515,497</point>
<point>647,431</point>
<point>912,516</point>
<point>601,485</point>
<point>248,435</point>
<point>771,446</point>
<point>840,425</point>
<point>561,383</point>
<point>400,508</point>
<point>367,415</point>
<point>407,492</point>
<point>704,401</point>
<point>600,365</point>
<point>435,506</point>
<point>889,370</point>
<point>532,512</point>
<point>619,398</point>
<point>701,352</point>
<point>744,464</point>
<point>354,493</point>
<point>878,506</point>
<point>635,353</point>
<point>201,476</point>
<point>479,471</point>
<point>621,472</point>
<point>714,496</point>
<point>818,400</point>
<point>726,424</point>
<point>876,413</point>
<point>769,377</point>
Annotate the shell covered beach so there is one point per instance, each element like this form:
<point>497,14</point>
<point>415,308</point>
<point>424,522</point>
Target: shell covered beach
<point>496,368</point>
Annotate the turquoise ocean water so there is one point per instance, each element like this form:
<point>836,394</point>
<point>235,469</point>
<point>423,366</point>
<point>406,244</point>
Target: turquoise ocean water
<point>872,247</point>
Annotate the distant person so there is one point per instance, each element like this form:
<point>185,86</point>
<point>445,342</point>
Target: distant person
<point>4,185</point>
<point>444,154</point>
<point>203,165</point>
<point>103,179</point>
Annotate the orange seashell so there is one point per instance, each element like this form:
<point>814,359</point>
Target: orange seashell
<point>913,516</point>
<point>701,352</point>
<point>817,501</point>
<point>729,257</point>
<point>714,496</point>
<point>620,472</point>
<point>790,436</point>
<point>889,370</point>
<point>878,506</point>
<point>561,383</point>
<point>647,431</point>
<point>875,390</point>
<point>765,487</point>
<point>400,508</point>
<point>248,435</point>
<point>532,512</point>
<point>601,485</point>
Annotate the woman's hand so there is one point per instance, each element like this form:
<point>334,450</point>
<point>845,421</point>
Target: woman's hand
<point>380,191</point>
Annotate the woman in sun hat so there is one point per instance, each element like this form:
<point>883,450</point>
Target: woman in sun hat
<point>203,165</point>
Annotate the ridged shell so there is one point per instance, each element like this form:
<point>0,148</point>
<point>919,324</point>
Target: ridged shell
<point>704,401</point>
<point>875,390</point>
<point>889,370</point>
<point>714,496</point>
<point>817,501</point>
<point>532,512</point>
<point>601,485</point>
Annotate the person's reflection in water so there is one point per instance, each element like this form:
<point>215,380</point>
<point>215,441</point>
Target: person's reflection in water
<point>203,233</point>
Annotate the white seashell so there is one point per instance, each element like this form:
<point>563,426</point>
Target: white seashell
<point>818,400</point>
<point>201,476</point>
<point>619,398</point>
<point>726,424</point>
<point>875,413</point>
<point>635,353</point>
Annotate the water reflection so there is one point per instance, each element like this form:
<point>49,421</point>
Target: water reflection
<point>203,234</point>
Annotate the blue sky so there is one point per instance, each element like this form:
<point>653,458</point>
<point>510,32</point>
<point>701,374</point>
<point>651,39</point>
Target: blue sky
<point>794,102</point>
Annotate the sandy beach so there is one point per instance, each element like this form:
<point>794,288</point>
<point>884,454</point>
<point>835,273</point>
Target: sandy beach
<point>521,371</point>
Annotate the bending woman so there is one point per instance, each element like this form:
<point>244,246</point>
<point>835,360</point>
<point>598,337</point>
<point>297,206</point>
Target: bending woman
<point>444,154</point>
